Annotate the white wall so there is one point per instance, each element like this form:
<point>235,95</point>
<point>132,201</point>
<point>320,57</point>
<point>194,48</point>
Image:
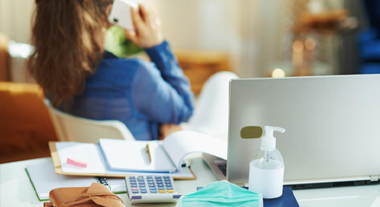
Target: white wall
<point>270,34</point>
<point>15,19</point>
<point>248,29</point>
<point>203,25</point>
<point>256,33</point>
<point>199,24</point>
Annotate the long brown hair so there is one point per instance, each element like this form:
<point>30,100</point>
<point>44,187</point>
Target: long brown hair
<point>68,38</point>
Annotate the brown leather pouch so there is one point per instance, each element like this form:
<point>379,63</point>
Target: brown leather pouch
<point>94,196</point>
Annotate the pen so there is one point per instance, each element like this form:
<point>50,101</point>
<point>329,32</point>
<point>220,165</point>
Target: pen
<point>148,151</point>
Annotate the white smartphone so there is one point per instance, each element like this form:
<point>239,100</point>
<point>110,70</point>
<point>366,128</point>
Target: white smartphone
<point>121,13</point>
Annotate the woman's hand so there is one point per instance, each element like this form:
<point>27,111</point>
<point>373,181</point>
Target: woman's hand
<point>147,28</point>
<point>167,129</point>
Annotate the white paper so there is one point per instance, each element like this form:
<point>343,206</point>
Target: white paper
<point>88,153</point>
<point>182,143</point>
<point>130,155</point>
<point>211,112</point>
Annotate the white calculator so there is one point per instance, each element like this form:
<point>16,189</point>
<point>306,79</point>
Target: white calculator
<point>151,189</point>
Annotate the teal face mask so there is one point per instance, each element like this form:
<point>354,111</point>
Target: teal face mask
<point>221,194</point>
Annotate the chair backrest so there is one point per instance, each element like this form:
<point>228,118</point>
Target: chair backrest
<point>72,128</point>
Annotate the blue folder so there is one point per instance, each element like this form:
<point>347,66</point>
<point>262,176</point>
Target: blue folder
<point>287,199</point>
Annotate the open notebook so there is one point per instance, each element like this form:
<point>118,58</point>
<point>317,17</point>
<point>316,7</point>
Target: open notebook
<point>117,158</point>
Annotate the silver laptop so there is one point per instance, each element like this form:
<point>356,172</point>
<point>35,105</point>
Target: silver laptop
<point>332,127</point>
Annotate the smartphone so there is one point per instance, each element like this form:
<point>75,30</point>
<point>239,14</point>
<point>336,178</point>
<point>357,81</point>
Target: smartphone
<point>121,13</point>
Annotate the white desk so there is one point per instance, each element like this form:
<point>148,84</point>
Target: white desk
<point>16,190</point>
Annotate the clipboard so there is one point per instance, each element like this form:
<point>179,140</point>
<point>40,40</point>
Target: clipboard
<point>58,168</point>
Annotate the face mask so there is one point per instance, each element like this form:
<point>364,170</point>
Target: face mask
<point>221,194</point>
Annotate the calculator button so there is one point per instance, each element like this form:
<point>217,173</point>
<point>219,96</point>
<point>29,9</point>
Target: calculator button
<point>153,191</point>
<point>140,178</point>
<point>143,191</point>
<point>166,177</point>
<point>133,185</point>
<point>132,177</point>
<point>160,185</point>
<point>161,191</point>
<point>152,185</point>
<point>142,188</point>
<point>169,188</point>
<point>161,188</point>
<point>135,191</point>
<point>149,177</point>
<point>170,191</point>
<point>177,196</point>
<point>152,188</point>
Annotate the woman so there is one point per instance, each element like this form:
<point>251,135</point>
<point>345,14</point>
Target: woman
<point>81,78</point>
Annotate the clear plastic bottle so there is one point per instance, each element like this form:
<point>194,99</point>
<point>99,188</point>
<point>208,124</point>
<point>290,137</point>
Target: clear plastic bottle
<point>266,171</point>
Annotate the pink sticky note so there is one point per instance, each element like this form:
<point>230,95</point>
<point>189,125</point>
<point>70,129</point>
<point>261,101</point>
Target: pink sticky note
<point>76,162</point>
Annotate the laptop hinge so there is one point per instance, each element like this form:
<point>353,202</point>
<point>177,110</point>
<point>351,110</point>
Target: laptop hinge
<point>374,178</point>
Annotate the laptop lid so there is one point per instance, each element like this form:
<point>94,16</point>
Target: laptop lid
<point>332,126</point>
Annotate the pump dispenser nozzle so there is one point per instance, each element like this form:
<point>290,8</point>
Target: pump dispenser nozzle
<point>268,141</point>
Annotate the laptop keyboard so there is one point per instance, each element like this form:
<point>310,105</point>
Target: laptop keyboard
<point>223,168</point>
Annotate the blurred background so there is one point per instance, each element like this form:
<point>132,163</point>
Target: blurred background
<point>253,38</point>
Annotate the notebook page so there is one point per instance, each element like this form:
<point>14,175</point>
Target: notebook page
<point>88,153</point>
<point>130,155</point>
<point>181,143</point>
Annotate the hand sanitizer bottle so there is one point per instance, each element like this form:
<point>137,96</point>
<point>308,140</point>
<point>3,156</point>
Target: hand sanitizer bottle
<point>266,171</point>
